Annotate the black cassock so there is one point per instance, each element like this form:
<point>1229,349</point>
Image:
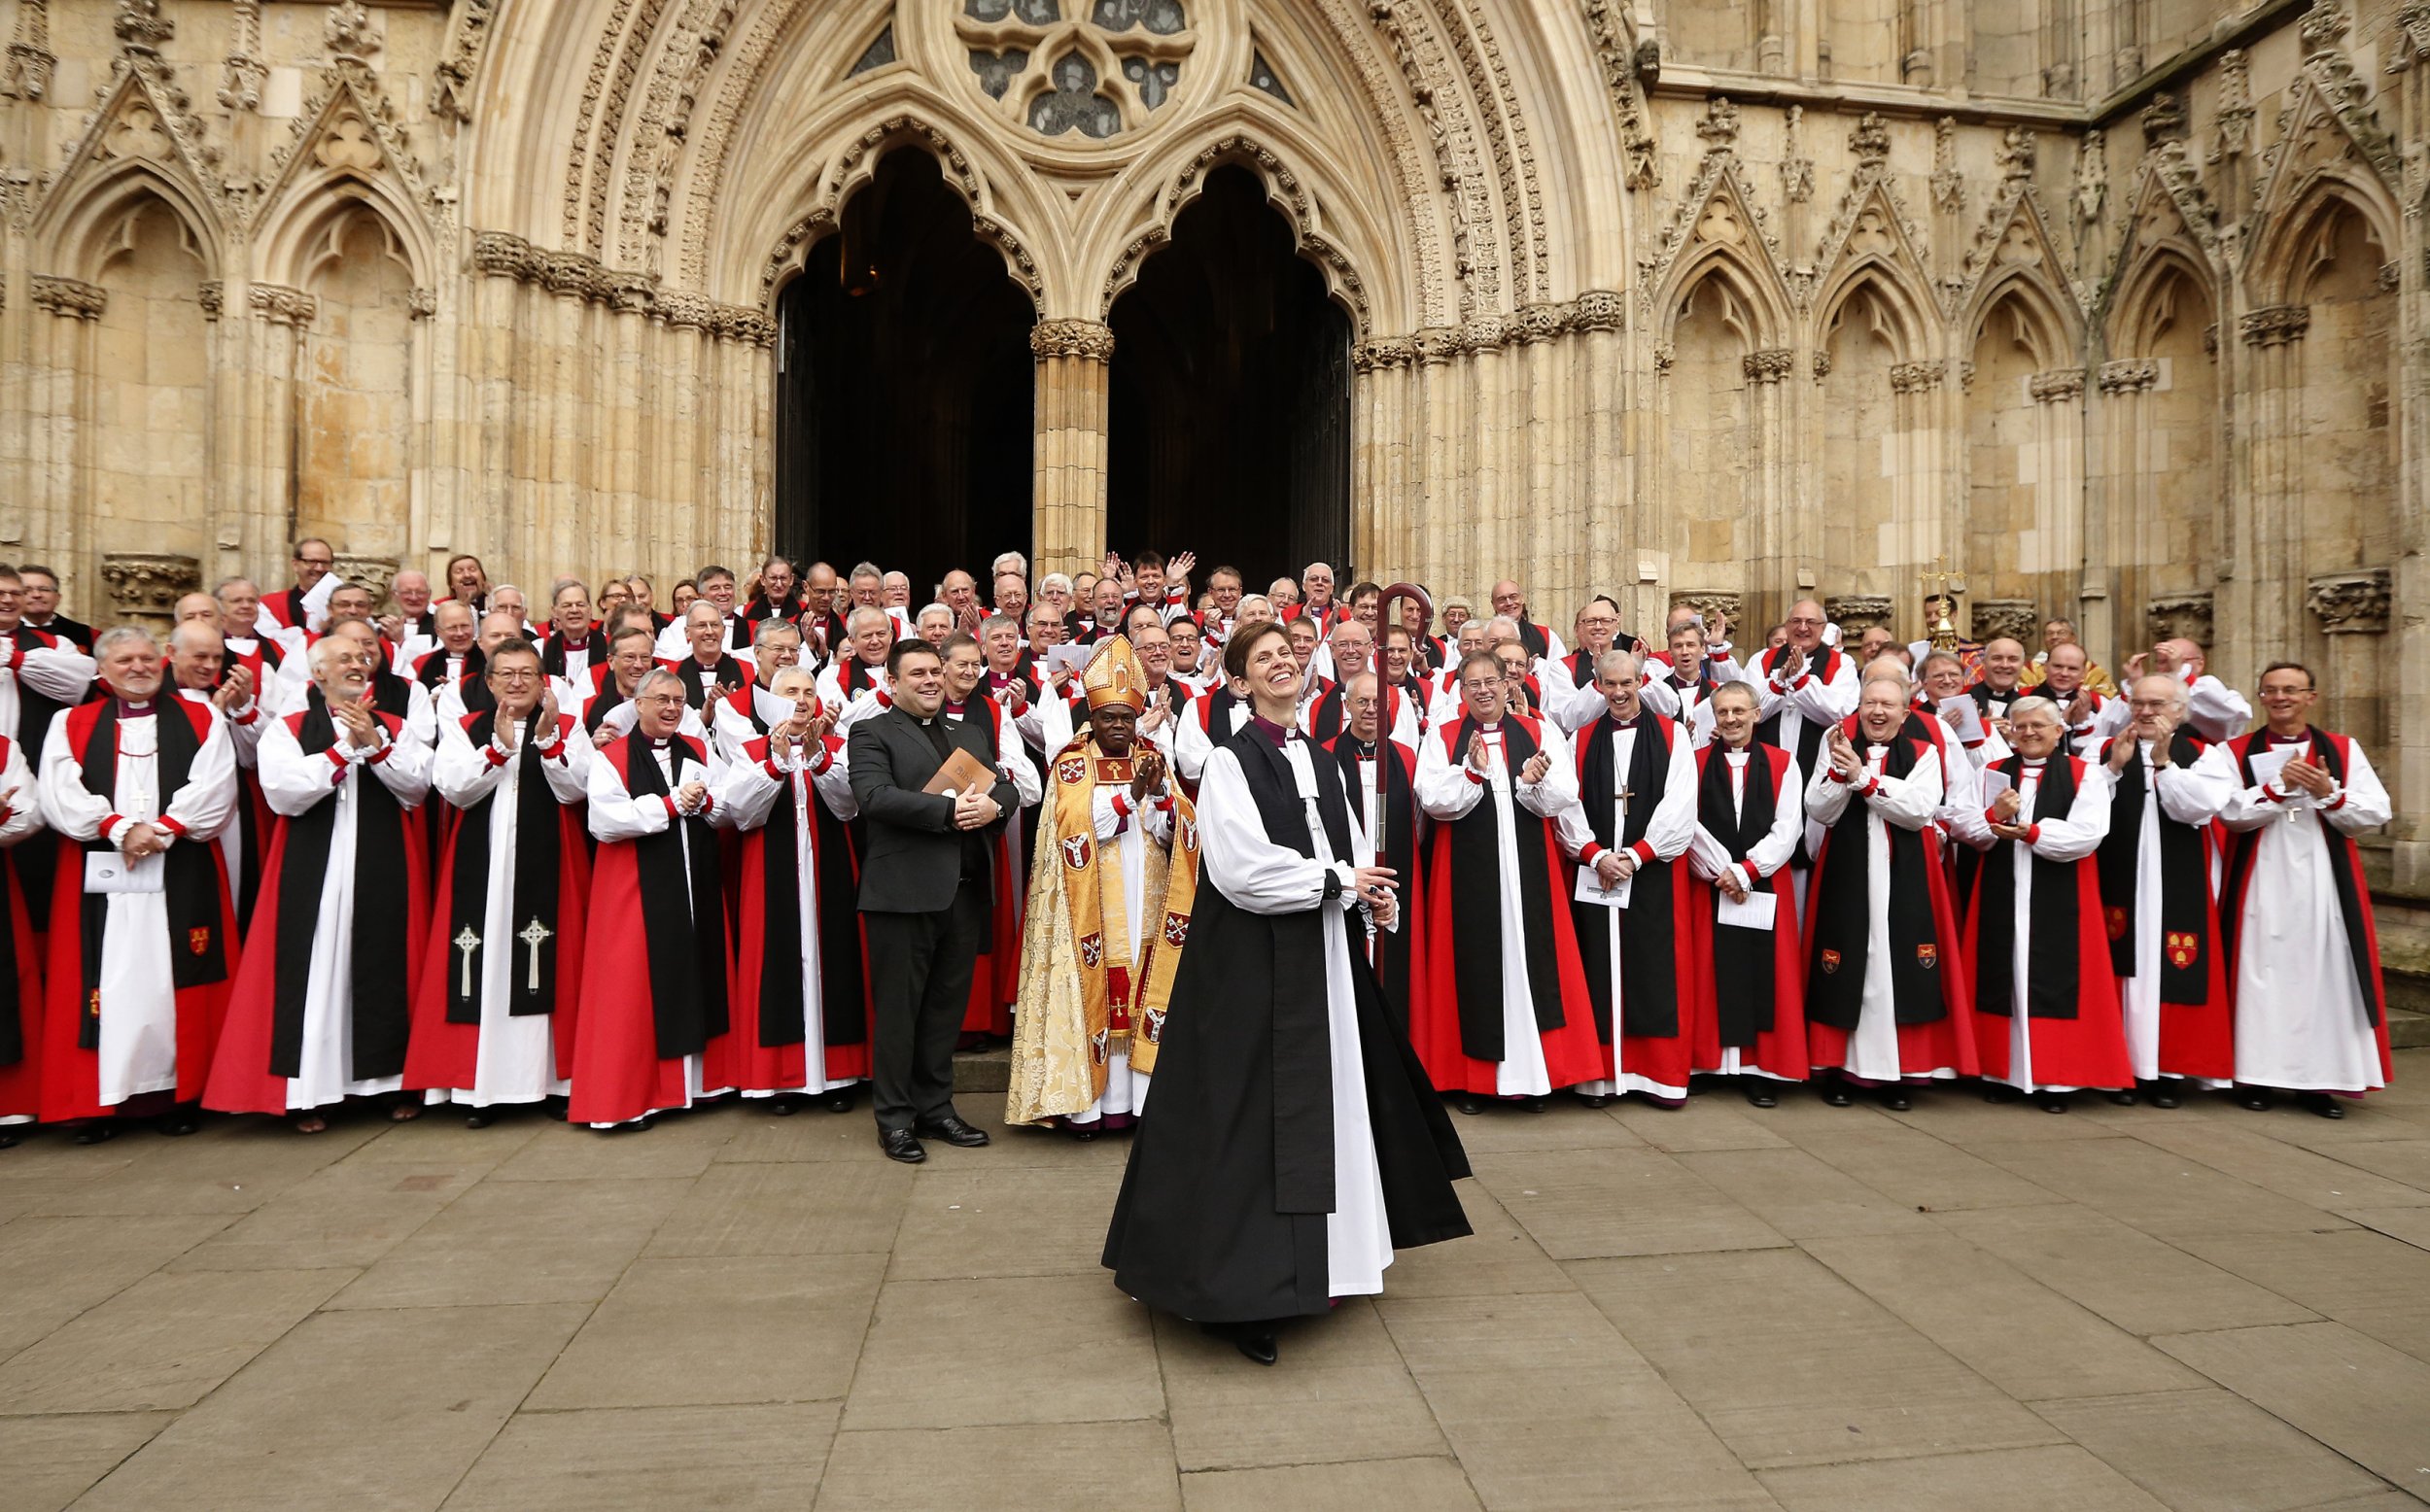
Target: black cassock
<point>1221,1217</point>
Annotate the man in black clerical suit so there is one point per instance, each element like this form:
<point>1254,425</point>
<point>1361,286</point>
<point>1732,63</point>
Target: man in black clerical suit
<point>925,895</point>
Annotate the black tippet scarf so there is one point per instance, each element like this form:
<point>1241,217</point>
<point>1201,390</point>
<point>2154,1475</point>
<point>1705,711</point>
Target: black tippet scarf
<point>683,936</point>
<point>854,677</point>
<point>728,673</point>
<point>197,956</point>
<point>376,982</point>
<point>2184,876</point>
<point>602,703</point>
<point>553,653</point>
<point>1302,1060</point>
<point>1824,664</point>
<point>2052,970</point>
<point>1532,636</point>
<point>538,884</point>
<point>1396,831</point>
<point>11,1000</point>
<point>843,980</point>
<point>433,672</point>
<point>391,694</point>
<point>1841,903</point>
<point>1985,696</point>
<point>1743,981</point>
<point>2342,868</point>
<point>1476,841</point>
<point>1649,948</point>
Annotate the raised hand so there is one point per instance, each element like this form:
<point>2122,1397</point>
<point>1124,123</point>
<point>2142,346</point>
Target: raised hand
<point>1480,758</point>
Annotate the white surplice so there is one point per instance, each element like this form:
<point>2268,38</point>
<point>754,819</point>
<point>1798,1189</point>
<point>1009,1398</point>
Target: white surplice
<point>1709,858</point>
<point>1257,876</point>
<point>138,1049</point>
<point>2068,838</point>
<point>1909,803</point>
<point>293,782</point>
<point>615,814</point>
<point>1669,832</point>
<point>1447,790</point>
<point>2302,1019</point>
<point>1132,837</point>
<point>748,793</point>
<point>2190,795</point>
<point>516,1058</point>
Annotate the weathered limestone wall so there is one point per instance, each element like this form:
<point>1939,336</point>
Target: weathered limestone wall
<point>2117,308</point>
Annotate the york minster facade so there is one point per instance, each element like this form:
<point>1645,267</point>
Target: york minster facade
<point>2118,309</point>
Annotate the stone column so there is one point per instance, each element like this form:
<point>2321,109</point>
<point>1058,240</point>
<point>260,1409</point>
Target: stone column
<point>2059,494</point>
<point>2273,374</point>
<point>1067,530</point>
<point>1776,552</point>
<point>2121,512</point>
<point>60,392</point>
<point>280,317</point>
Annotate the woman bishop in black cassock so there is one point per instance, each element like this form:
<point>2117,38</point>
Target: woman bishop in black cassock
<point>1296,1142</point>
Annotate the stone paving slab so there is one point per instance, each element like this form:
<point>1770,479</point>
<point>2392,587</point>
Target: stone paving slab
<point>1959,1306</point>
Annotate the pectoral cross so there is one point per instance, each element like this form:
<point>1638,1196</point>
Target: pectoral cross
<point>1626,794</point>
<point>533,934</point>
<point>466,942</point>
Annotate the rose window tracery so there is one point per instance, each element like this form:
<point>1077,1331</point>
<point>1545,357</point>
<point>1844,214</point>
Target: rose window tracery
<point>1099,70</point>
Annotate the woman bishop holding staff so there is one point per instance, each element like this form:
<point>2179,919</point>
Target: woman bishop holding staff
<point>1296,1143</point>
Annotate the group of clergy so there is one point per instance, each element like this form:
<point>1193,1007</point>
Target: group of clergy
<point>298,850</point>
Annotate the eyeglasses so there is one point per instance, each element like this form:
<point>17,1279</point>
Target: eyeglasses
<point>660,698</point>
<point>1482,685</point>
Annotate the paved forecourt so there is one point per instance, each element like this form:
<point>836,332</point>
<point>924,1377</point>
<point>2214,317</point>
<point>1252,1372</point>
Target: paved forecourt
<point>1808,1308</point>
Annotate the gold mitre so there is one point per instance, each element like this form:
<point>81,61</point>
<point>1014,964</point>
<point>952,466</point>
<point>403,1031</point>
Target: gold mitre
<point>1114,675</point>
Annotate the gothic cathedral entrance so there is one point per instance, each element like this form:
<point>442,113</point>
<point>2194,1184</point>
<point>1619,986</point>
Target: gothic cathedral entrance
<point>1228,426</point>
<point>903,389</point>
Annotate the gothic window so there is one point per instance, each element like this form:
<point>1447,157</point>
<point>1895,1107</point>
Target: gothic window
<point>1097,72</point>
<point>1073,104</point>
<point>1262,76</point>
<point>878,53</point>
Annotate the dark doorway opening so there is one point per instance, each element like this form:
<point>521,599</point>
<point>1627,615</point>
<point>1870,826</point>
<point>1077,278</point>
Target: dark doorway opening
<point>903,387</point>
<point>1230,410</point>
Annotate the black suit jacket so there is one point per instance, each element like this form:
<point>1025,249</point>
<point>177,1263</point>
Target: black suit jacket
<point>912,862</point>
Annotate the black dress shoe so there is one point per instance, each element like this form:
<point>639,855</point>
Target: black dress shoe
<point>1758,1094</point>
<point>1596,1099</point>
<point>10,1138</point>
<point>180,1121</point>
<point>2051,1102</point>
<point>1467,1103</point>
<point>2124,1097</point>
<point>1897,1100</point>
<point>1835,1092</point>
<point>478,1118</point>
<point>2323,1104</point>
<point>2163,1096</point>
<point>1539,1104</point>
<point>786,1107</point>
<point>901,1145</point>
<point>952,1130</point>
<point>1256,1340</point>
<point>1999,1092</point>
<point>100,1131</point>
<point>839,1101</point>
<point>2252,1099</point>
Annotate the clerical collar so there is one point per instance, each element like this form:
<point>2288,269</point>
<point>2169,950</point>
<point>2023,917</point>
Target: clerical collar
<point>956,708</point>
<point>1280,735</point>
<point>660,742</point>
<point>130,710</point>
<point>1364,748</point>
<point>2035,763</point>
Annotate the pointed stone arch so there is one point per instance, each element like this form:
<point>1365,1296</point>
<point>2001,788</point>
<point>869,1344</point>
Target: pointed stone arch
<point>2328,143</point>
<point>343,151</point>
<point>137,141</point>
<point>856,162</point>
<point>1174,184</point>
<point>2285,251</point>
<point>2016,256</point>
<point>1718,225</point>
<point>1871,230</point>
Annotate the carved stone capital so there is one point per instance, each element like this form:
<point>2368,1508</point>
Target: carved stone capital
<point>1387,351</point>
<point>2059,383</point>
<point>2128,375</point>
<point>501,255</point>
<point>280,305</point>
<point>1485,333</point>
<point>2275,325</point>
<point>741,322</point>
<point>212,295</point>
<point>372,572</point>
<point>1856,613</point>
<point>2349,603</point>
<point>422,303</point>
<point>2179,617</point>
<point>685,310</point>
<point>1536,323</point>
<point>1088,339</point>
<point>1767,366</point>
<point>1437,344</point>
<point>145,586</point>
<point>569,273</point>
<point>1708,601</point>
<point>1599,309</point>
<point>2012,619</point>
<point>70,297</point>
<point>1917,377</point>
<point>1665,356</point>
